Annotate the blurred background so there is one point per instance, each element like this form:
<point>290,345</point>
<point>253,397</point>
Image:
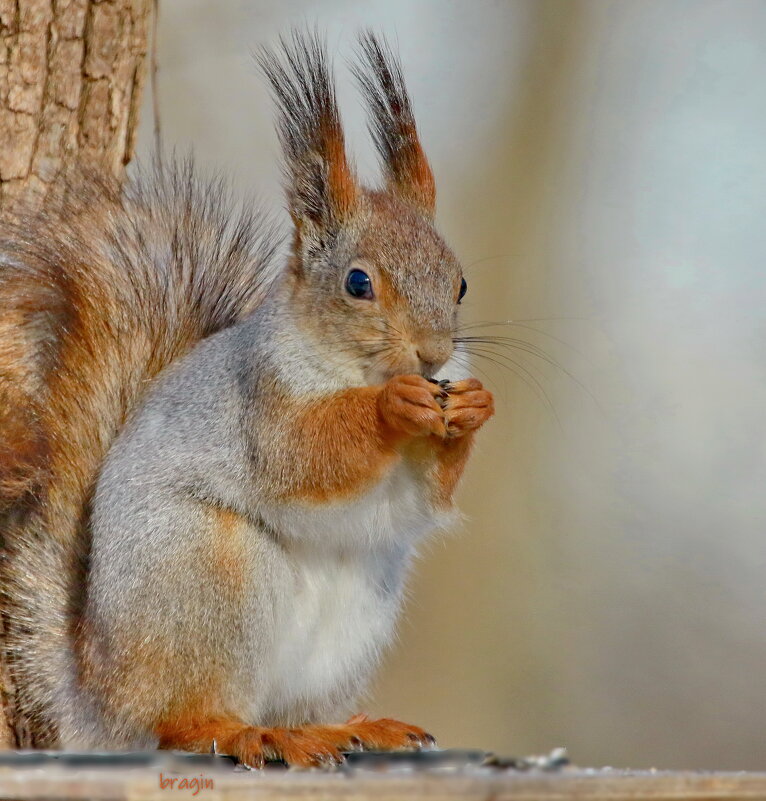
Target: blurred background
<point>601,171</point>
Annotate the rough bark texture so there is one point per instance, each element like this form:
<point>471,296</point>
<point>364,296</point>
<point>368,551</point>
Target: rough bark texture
<point>71,79</point>
<point>71,74</point>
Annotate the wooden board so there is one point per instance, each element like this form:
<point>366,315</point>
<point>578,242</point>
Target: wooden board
<point>477,784</point>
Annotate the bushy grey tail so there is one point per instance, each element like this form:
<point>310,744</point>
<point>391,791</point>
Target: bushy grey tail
<point>98,293</point>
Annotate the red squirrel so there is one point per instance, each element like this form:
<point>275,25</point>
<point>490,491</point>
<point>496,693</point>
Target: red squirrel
<point>216,465</point>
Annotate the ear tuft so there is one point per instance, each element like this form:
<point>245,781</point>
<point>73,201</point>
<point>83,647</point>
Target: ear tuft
<point>321,186</point>
<point>392,124</point>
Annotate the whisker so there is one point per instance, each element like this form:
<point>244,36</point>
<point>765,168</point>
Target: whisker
<point>534,350</point>
<point>485,259</point>
<point>461,357</point>
<point>474,326</point>
<point>391,327</point>
<point>521,373</point>
<point>503,360</point>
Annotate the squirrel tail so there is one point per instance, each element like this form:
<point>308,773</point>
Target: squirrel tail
<point>99,292</point>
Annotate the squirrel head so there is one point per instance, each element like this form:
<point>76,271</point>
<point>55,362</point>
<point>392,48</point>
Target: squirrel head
<point>374,280</point>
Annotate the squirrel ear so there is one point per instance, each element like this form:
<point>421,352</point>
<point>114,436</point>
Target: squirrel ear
<point>392,124</point>
<point>321,187</point>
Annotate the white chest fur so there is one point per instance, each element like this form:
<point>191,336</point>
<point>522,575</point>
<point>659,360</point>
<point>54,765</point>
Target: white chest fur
<point>397,511</point>
<point>348,563</point>
<point>331,626</point>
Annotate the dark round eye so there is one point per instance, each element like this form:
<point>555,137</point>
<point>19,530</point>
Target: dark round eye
<point>359,285</point>
<point>463,289</point>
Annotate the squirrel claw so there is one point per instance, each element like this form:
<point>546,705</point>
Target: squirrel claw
<point>327,761</point>
<point>444,386</point>
<point>444,383</point>
<point>424,741</point>
<point>254,763</point>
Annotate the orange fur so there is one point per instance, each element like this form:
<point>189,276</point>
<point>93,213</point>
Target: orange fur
<point>23,312</point>
<point>177,676</point>
<point>252,745</point>
<point>342,184</point>
<point>226,552</point>
<point>384,734</point>
<point>451,458</point>
<point>303,746</point>
<point>341,445</point>
<point>467,408</point>
<point>411,174</point>
<point>22,447</point>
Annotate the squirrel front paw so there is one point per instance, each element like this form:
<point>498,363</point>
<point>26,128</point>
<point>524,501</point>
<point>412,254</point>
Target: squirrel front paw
<point>467,407</point>
<point>408,405</point>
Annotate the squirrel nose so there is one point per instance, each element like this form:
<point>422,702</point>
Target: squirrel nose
<point>431,360</point>
<point>426,366</point>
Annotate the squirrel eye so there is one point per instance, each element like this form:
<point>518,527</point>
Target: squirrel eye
<point>463,288</point>
<point>359,285</point>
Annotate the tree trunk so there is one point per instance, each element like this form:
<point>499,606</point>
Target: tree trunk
<point>71,79</point>
<point>71,75</point>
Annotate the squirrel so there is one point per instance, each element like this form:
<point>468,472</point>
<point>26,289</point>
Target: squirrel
<point>216,463</point>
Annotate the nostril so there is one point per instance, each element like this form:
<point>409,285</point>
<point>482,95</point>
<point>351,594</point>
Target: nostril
<point>431,355</point>
<point>426,364</point>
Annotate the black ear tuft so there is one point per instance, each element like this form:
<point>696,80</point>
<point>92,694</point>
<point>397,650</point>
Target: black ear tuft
<point>392,124</point>
<point>321,185</point>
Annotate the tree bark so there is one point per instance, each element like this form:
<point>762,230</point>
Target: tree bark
<point>71,80</point>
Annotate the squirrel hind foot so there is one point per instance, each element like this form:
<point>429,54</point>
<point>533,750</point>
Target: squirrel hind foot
<point>362,734</point>
<point>308,746</point>
<point>253,746</point>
